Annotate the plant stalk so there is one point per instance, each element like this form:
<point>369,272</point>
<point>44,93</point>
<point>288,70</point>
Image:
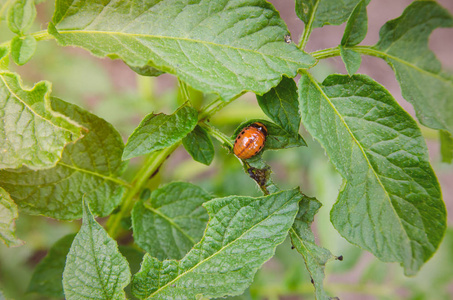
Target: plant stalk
<point>151,165</point>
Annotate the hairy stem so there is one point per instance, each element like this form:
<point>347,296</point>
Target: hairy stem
<point>220,136</point>
<point>335,51</point>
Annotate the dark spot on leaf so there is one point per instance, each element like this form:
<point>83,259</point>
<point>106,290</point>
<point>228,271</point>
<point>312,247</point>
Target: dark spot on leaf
<point>312,281</point>
<point>340,258</point>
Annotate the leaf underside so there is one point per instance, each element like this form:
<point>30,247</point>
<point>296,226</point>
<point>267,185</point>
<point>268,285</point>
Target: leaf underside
<point>390,203</point>
<point>31,134</point>
<point>224,47</point>
<point>8,215</point>
<point>89,168</point>
<point>404,45</point>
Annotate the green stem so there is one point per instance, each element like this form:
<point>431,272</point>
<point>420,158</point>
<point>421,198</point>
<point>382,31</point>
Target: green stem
<point>42,35</point>
<point>220,136</point>
<point>151,165</point>
<point>326,53</point>
<point>308,28</point>
<point>183,90</point>
<point>335,51</point>
<point>213,107</point>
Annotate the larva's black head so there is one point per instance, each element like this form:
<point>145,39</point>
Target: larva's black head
<point>260,126</point>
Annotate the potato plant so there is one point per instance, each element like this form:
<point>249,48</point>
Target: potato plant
<point>175,239</point>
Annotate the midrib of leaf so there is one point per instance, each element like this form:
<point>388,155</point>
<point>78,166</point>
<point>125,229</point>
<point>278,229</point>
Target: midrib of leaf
<point>282,106</point>
<point>29,108</point>
<point>157,212</point>
<point>375,52</point>
<point>169,38</point>
<point>116,180</point>
<point>360,147</point>
<point>95,258</point>
<point>220,250</point>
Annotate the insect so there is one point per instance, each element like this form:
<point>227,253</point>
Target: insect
<point>250,141</point>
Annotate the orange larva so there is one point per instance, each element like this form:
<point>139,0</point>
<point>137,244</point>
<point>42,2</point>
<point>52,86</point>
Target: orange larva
<point>250,141</point>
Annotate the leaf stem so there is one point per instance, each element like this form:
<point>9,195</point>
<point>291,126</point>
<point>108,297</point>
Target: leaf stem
<point>308,28</point>
<point>220,136</point>
<point>335,51</point>
<point>213,107</point>
<point>326,53</point>
<point>151,165</point>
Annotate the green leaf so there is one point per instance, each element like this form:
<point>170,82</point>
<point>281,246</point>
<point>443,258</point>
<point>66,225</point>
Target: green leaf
<point>89,168</point>
<point>404,45</point>
<point>242,234</point>
<point>357,26</point>
<point>303,240</point>
<point>390,203</point>
<point>199,145</point>
<point>277,137</point>
<point>446,146</point>
<point>4,57</point>
<point>21,15</point>
<point>282,106</point>
<point>172,222</point>
<point>351,59</point>
<point>31,134</point>
<point>159,131</point>
<point>223,47</point>
<point>8,216</point>
<point>146,71</point>
<point>134,258</point>
<point>46,278</point>
<point>22,49</point>
<point>95,269</point>
<point>325,12</point>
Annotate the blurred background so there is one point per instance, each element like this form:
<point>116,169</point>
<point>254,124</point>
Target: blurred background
<point>112,91</point>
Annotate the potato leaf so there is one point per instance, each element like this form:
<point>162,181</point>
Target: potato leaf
<point>31,133</point>
<point>224,47</point>
<point>95,269</point>
<point>172,222</point>
<point>46,278</point>
<point>303,240</point>
<point>199,145</point>
<point>325,12</point>
<point>158,131</point>
<point>242,234</point>
<point>89,168</point>
<point>8,216</point>
<point>404,45</point>
<point>390,203</point>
